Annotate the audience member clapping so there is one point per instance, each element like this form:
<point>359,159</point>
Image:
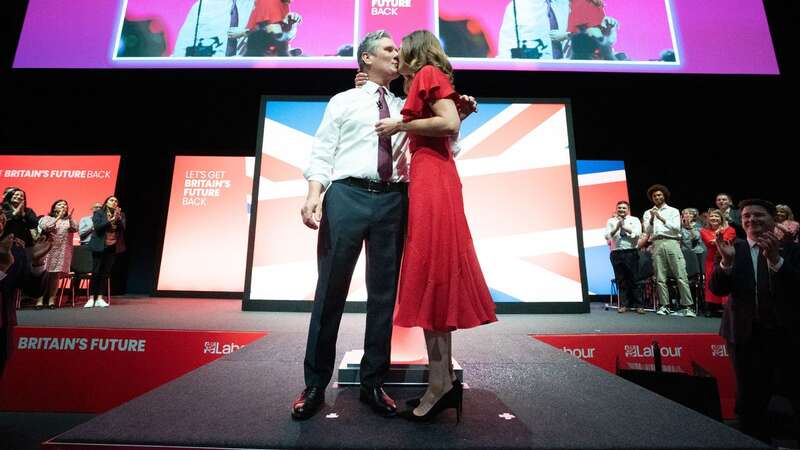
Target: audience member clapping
<point>732,215</point>
<point>690,234</point>
<point>717,227</point>
<point>20,220</point>
<point>107,240</point>
<point>786,228</point>
<point>18,270</point>
<point>58,227</point>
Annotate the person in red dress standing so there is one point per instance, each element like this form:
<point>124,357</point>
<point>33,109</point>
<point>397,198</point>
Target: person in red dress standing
<point>442,287</point>
<point>716,225</point>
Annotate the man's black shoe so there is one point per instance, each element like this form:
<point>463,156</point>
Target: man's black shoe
<point>308,403</point>
<point>378,400</point>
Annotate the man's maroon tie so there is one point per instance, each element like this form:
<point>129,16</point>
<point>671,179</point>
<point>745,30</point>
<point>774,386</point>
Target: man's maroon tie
<point>384,142</point>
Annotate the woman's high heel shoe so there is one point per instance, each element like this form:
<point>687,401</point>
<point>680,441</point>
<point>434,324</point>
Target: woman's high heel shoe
<point>452,399</point>
<point>414,402</point>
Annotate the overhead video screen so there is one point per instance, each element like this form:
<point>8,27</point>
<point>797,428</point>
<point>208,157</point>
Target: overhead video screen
<point>663,36</point>
<point>512,154</point>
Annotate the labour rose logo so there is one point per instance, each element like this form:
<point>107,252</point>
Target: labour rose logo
<point>719,351</point>
<point>210,347</point>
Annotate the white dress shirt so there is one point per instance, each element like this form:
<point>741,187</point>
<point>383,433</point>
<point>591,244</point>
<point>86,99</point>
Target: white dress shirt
<point>533,23</point>
<point>671,228</point>
<point>346,144</point>
<point>622,239</point>
<point>215,21</point>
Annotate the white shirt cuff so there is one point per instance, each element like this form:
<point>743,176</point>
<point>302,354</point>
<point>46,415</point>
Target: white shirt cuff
<point>37,270</point>
<point>2,275</point>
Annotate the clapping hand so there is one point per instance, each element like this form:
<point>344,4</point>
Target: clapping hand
<point>770,246</point>
<point>40,250</point>
<point>19,209</point>
<point>293,18</point>
<point>653,214</point>
<point>725,248</point>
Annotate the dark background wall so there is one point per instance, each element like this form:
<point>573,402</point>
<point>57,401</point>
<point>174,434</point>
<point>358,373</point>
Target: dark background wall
<point>698,134</point>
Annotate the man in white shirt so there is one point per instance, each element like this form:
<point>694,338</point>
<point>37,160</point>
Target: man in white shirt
<point>366,201</point>
<point>220,37</point>
<point>622,234</point>
<point>663,224</point>
<point>541,24</point>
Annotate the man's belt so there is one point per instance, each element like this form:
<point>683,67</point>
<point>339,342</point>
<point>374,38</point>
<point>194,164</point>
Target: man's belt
<point>374,186</point>
<point>660,237</point>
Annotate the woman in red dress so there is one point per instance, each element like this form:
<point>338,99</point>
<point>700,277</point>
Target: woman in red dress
<point>442,287</point>
<point>270,28</point>
<point>585,14</point>
<point>715,225</point>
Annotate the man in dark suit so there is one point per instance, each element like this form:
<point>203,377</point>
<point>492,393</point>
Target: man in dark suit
<point>733,216</point>
<point>760,321</point>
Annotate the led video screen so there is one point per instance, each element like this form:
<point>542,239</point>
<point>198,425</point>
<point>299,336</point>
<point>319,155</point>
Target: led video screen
<point>205,240</point>
<point>512,154</point>
<point>212,224</point>
<point>664,36</point>
<point>80,180</point>
<point>602,184</point>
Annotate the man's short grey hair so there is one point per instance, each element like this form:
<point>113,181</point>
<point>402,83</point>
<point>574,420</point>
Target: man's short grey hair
<point>368,45</point>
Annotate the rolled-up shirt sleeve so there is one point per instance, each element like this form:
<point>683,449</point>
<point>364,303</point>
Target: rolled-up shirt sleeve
<point>636,228</point>
<point>647,227</point>
<point>672,219</point>
<point>610,226</point>
<point>323,150</point>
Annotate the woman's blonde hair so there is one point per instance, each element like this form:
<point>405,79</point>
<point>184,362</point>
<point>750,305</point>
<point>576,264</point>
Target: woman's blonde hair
<point>787,210</point>
<point>422,48</point>
<point>723,221</point>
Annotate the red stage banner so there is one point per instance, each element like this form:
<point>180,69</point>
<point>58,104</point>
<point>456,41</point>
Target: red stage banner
<point>80,180</point>
<point>208,221</point>
<point>635,351</point>
<point>91,370</point>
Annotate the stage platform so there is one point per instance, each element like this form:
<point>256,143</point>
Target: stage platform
<point>522,393</point>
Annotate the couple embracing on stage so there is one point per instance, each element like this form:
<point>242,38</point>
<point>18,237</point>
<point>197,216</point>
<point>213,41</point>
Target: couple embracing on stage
<point>419,249</point>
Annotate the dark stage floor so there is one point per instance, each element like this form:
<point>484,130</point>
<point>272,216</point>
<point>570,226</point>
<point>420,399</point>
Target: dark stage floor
<point>523,393</point>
